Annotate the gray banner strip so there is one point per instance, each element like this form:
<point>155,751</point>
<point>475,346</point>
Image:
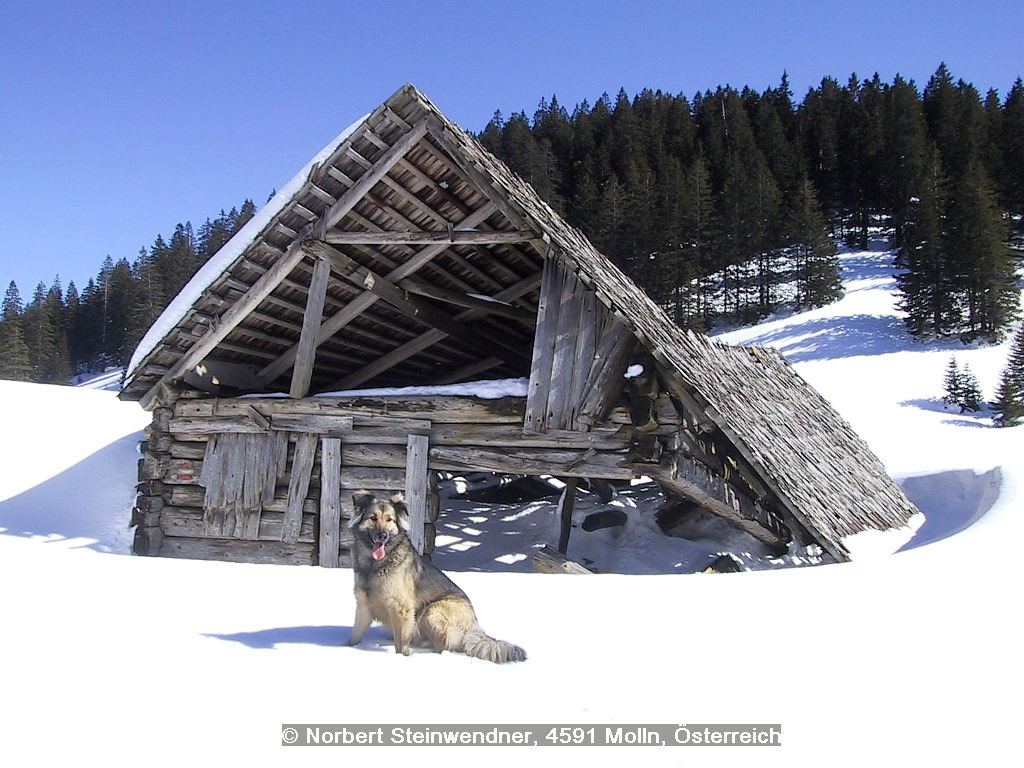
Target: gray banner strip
<point>588,735</point>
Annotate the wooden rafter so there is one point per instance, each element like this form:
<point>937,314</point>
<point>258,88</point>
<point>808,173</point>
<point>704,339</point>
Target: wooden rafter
<point>424,340</point>
<point>355,273</point>
<point>365,300</point>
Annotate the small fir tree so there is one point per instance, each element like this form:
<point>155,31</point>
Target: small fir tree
<point>1009,404</point>
<point>962,387</point>
<point>952,383</point>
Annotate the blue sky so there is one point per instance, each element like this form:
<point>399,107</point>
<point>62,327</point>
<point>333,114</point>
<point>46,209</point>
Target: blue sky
<point>120,119</point>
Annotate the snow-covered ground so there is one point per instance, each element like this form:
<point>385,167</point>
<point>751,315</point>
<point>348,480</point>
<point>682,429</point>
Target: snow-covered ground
<point>912,658</point>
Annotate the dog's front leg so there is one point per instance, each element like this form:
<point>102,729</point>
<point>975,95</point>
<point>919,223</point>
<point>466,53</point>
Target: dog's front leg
<point>403,624</point>
<point>363,618</point>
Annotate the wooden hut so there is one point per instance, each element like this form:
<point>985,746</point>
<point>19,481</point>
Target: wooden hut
<point>407,255</point>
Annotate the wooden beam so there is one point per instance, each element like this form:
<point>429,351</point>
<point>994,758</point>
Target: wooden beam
<point>330,501</point>
<point>691,479</point>
<point>228,321</point>
<point>417,454</point>
<point>485,305</point>
<point>544,345</point>
<point>365,300</point>
<point>424,340</point>
<point>400,300</point>
<point>565,507</point>
<point>453,237</point>
<point>305,354</point>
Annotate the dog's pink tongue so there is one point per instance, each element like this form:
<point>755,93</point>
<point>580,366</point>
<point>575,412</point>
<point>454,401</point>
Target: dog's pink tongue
<point>379,553</point>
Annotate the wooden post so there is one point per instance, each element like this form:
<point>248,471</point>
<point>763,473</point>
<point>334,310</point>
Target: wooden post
<point>416,487</point>
<point>306,353</point>
<point>330,501</point>
<point>298,486</point>
<point>565,506</point>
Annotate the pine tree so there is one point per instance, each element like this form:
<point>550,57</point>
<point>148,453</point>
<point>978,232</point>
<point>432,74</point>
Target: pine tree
<point>953,383</point>
<point>1009,404</point>
<point>14,353</point>
<point>971,398</point>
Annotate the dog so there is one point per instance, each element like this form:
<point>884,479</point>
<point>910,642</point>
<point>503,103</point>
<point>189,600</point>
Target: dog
<point>396,586</point>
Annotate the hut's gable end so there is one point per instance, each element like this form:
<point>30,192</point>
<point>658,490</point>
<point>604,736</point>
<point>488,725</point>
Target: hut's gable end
<point>391,265</point>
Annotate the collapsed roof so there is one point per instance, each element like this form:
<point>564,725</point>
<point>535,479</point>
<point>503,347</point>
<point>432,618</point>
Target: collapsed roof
<point>406,254</point>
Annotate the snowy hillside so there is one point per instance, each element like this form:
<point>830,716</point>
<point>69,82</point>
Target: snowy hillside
<point>902,658</point>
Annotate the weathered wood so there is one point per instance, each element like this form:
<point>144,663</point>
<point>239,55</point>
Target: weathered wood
<point>418,310</point>
<point>228,321</point>
<point>416,487</point>
<point>428,338</point>
<point>605,381</point>
<point>548,560</point>
<point>484,305</point>
<point>330,501</point>
<point>358,305</point>
<point>189,522</point>
<point>453,237</point>
<point>565,506</point>
<point>569,317</point>
<point>439,409</point>
<point>233,550</point>
<point>305,354</point>
<point>302,468</point>
<point>693,480</point>
<point>544,340</point>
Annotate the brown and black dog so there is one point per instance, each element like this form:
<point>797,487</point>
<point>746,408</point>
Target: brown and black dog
<point>411,597</point>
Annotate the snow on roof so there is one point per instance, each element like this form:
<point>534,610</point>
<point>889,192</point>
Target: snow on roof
<point>235,247</point>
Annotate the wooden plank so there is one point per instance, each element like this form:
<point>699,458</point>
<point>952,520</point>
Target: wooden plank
<point>275,463</point>
<point>544,345</point>
<point>591,316</point>
<point>449,238</point>
<point>484,305</point>
<point>330,501</point>
<point>305,354</point>
<point>416,487</point>
<point>254,449</point>
<point>298,486</point>
<point>605,380</point>
<point>231,550</point>
<point>565,506</point>
<point>547,560</point>
<point>564,357</point>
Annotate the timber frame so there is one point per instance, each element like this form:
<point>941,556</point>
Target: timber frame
<point>407,255</point>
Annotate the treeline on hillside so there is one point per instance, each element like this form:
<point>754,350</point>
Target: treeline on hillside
<point>727,206</point>
<point>62,332</point>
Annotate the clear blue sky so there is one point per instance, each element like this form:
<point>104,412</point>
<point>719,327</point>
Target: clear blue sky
<point>120,119</point>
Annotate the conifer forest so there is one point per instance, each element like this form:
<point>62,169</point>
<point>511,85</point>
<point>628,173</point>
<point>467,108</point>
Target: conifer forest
<point>725,207</point>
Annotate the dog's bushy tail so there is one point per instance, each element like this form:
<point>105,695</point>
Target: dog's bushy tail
<point>481,646</point>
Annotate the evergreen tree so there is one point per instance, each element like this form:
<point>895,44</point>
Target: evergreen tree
<point>1009,404</point>
<point>952,383</point>
<point>983,264</point>
<point>14,353</point>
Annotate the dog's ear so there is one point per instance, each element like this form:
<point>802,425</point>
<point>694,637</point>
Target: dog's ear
<point>398,502</point>
<point>362,501</point>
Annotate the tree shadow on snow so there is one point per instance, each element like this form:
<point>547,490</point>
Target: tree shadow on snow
<point>951,501</point>
<point>89,503</point>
